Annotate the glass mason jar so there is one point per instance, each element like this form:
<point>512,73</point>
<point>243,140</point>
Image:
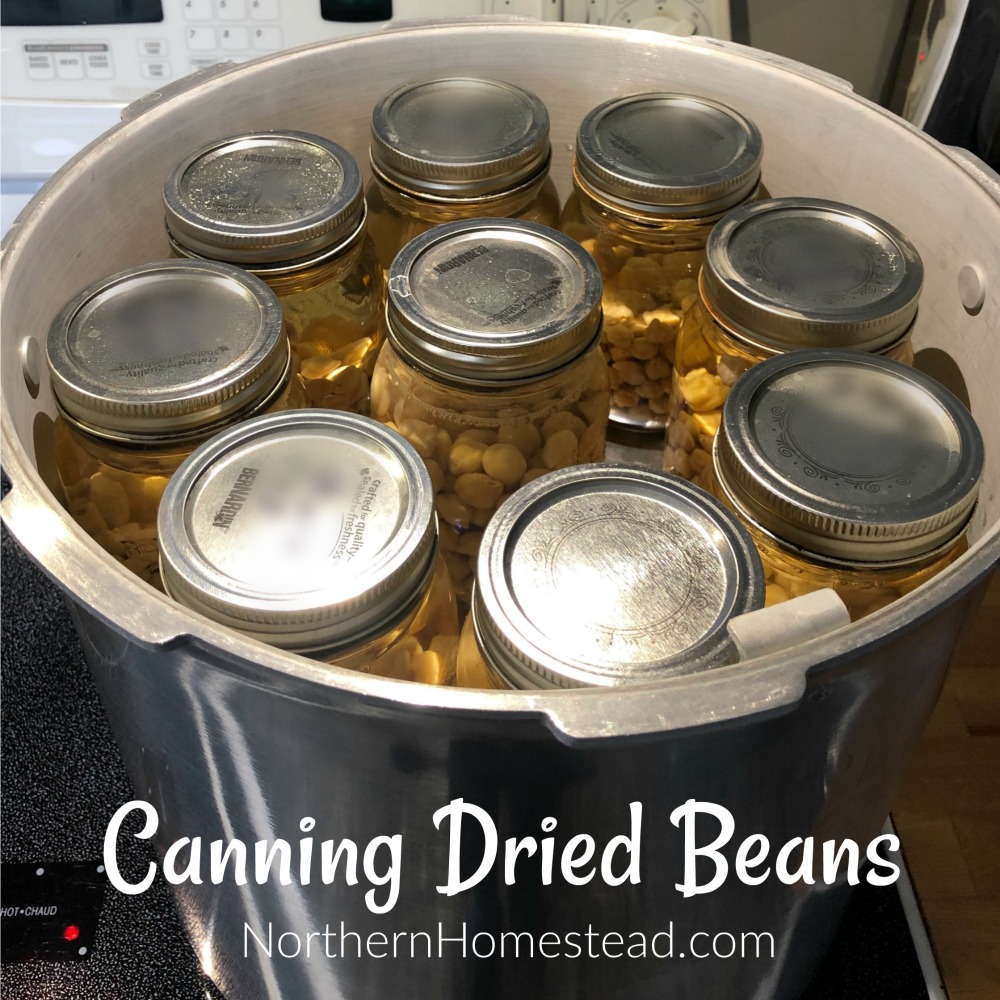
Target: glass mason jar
<point>604,575</point>
<point>145,365</point>
<point>653,174</point>
<point>289,208</point>
<point>452,149</point>
<point>471,670</point>
<point>851,471</point>
<point>492,367</point>
<point>315,532</point>
<point>781,275</point>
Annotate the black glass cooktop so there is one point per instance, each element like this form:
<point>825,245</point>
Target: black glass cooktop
<point>62,779</point>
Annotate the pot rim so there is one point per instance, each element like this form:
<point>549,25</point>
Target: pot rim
<point>762,686</point>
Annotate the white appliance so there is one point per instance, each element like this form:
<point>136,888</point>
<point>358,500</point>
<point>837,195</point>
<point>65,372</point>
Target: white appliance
<point>69,66</point>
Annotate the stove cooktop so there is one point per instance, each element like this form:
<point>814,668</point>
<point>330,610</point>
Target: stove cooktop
<point>62,779</point>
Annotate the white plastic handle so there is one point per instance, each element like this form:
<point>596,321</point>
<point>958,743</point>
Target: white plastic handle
<point>782,626</point>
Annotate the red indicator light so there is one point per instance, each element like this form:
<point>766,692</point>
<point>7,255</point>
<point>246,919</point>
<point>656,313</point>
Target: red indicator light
<point>71,933</point>
<point>922,57</point>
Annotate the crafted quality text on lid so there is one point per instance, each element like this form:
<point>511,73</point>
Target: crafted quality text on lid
<point>849,455</point>
<point>674,155</point>
<point>264,198</point>
<point>310,529</point>
<point>804,272</point>
<point>609,574</point>
<point>459,137</point>
<point>493,301</point>
<point>167,349</point>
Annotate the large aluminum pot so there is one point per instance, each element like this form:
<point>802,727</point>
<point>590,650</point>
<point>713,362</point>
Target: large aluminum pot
<point>229,738</point>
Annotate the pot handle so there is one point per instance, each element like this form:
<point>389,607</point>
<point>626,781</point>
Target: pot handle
<point>703,698</point>
<point>685,703</point>
<point>724,692</point>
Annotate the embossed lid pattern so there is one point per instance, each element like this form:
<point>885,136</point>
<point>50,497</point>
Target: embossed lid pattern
<point>608,574</point>
<point>309,529</point>
<point>668,154</point>
<point>492,301</point>
<point>167,349</point>
<point>461,137</point>
<point>802,272</point>
<point>849,455</point>
<point>264,197</point>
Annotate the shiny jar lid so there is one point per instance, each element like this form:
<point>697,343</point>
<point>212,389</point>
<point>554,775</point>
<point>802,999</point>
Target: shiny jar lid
<point>459,137</point>
<point>167,349</point>
<point>264,198</point>
<point>311,529</point>
<point>802,272</point>
<point>849,455</point>
<point>606,574</point>
<point>492,301</point>
<point>672,155</point>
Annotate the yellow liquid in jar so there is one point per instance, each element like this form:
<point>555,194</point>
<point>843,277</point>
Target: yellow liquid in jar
<point>113,491</point>
<point>472,670</point>
<point>395,218</point>
<point>864,588</point>
<point>332,314</point>
<point>480,446</point>
<point>422,648</point>
<point>707,364</point>
<point>114,495</point>
<point>650,269</point>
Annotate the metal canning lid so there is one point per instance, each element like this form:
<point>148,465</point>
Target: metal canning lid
<point>608,574</point>
<point>264,197</point>
<point>489,301</point>
<point>311,529</point>
<point>668,154</point>
<point>849,455</point>
<point>802,272</point>
<point>459,137</point>
<point>167,349</point>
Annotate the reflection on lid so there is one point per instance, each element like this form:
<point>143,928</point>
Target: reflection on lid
<point>307,528</point>
<point>849,455</point>
<point>610,574</point>
<point>167,348</point>
<point>459,136</point>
